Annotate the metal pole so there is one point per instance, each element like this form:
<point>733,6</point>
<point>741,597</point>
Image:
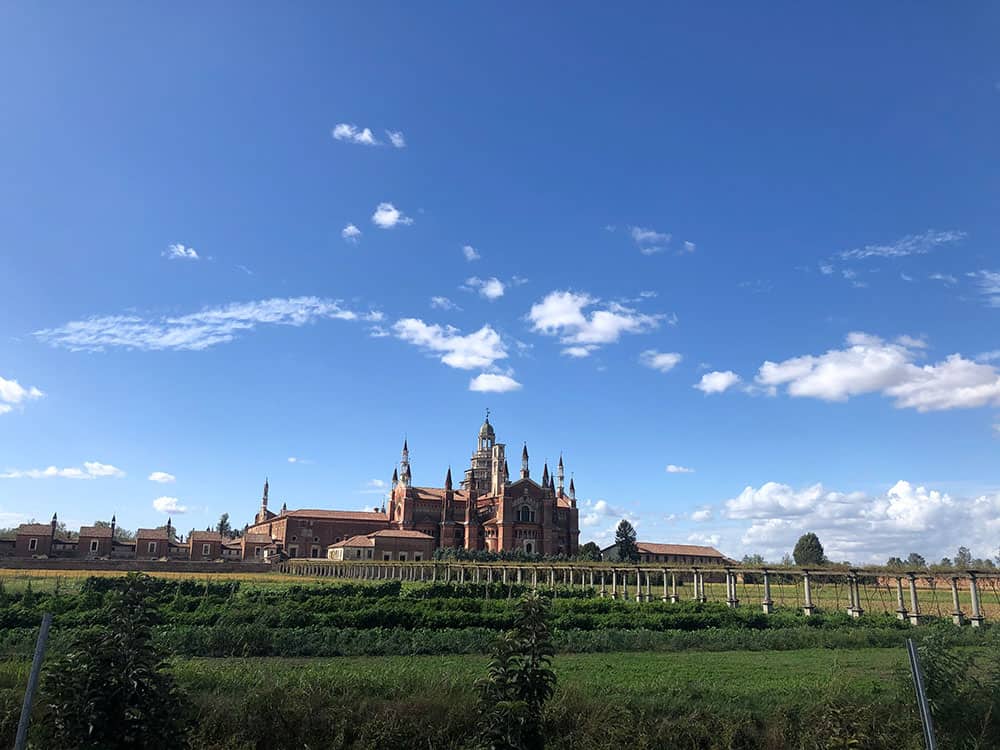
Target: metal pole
<point>923,707</point>
<point>21,742</point>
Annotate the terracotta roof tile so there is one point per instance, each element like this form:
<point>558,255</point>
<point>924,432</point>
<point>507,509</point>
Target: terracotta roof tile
<point>402,534</point>
<point>355,541</point>
<point>34,528</point>
<point>98,532</point>
<point>205,536</point>
<point>693,550</point>
<point>160,534</point>
<point>337,515</point>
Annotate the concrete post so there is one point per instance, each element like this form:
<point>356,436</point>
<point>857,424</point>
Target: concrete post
<point>694,584</point>
<point>552,578</point>
<point>856,609</point>
<point>625,585</point>
<point>957,616</point>
<point>673,589</point>
<point>519,569</point>
<point>504,575</point>
<point>914,604</point>
<point>731,599</point>
<point>534,578</point>
<point>901,612</point>
<point>808,608</point>
<point>768,603</point>
<point>702,596</point>
<point>649,595</point>
<point>977,614</point>
<point>665,595</point>
<point>591,573</point>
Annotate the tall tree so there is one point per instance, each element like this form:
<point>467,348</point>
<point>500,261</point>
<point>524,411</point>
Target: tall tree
<point>223,526</point>
<point>628,550</point>
<point>754,559</point>
<point>963,558</point>
<point>808,550</point>
<point>589,551</point>
<point>916,561</point>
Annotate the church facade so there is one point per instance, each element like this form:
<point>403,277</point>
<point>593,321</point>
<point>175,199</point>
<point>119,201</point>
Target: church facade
<point>489,510</point>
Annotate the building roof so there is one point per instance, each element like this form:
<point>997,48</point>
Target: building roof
<point>34,528</point>
<point>436,493</point>
<point>337,515</point>
<point>99,532</point>
<point>356,541</point>
<point>693,550</point>
<point>402,534</point>
<point>152,534</point>
<point>205,536</point>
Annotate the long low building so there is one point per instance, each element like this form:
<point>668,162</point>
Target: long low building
<point>672,554</point>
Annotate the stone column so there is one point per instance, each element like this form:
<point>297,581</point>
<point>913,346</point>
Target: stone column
<point>552,578</point>
<point>614,584</point>
<point>901,612</point>
<point>673,589</point>
<point>489,574</point>
<point>914,604</point>
<point>534,578</point>
<point>768,603</point>
<point>958,616</point>
<point>665,596</point>
<point>702,596</point>
<point>977,614</point>
<point>591,574</point>
<point>649,596</point>
<point>519,578</point>
<point>808,607</point>
<point>625,585</point>
<point>603,577</point>
<point>731,598</point>
<point>504,571</point>
<point>855,586</point>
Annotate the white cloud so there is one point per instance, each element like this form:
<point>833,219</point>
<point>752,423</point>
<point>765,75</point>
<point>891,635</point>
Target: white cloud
<point>177,251</point>
<point>563,314</point>
<point>195,331</point>
<point>169,505</point>
<point>989,286</point>
<point>870,364</point>
<point>946,278</point>
<point>662,361</point>
<point>702,515</point>
<point>491,288</point>
<point>649,241</point>
<point>866,528</point>
<point>162,477</point>
<point>387,216</point>
<point>912,244</point>
<point>689,247</point>
<point>717,382</point>
<point>470,253</point>
<point>475,350</point>
<point>351,234</point>
<point>396,138</point>
<point>443,303</point>
<point>14,394</point>
<point>826,269</point>
<point>647,294</point>
<point>90,470</point>
<point>489,382</point>
<point>353,134</point>
<point>675,469</point>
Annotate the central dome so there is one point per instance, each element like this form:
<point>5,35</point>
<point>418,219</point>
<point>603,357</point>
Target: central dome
<point>486,431</point>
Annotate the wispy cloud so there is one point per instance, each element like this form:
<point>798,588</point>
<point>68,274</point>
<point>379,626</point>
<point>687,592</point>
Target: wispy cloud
<point>911,244</point>
<point>564,314</point>
<point>13,394</point>
<point>488,382</point>
<point>443,303</point>
<point>90,470</point>
<point>345,131</point>
<point>195,331</point>
<point>662,361</point>
<point>675,469</point>
<point>945,278</point>
<point>396,138</point>
<point>178,251</point>
<point>470,253</point>
<point>169,505</point>
<point>351,234</point>
<point>989,286</point>
<point>162,477</point>
<point>298,460</point>
<point>387,216</point>
<point>491,288</point>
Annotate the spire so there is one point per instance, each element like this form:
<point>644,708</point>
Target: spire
<point>114,522</point>
<point>506,472</point>
<point>265,491</point>
<point>284,508</point>
<point>404,465</point>
<point>562,476</point>
<point>572,489</point>
<point>524,462</point>
<point>447,481</point>
<point>395,477</point>
<point>545,475</point>
<point>552,485</point>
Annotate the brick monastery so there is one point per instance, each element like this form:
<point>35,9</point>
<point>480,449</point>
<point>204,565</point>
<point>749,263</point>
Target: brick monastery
<point>489,511</point>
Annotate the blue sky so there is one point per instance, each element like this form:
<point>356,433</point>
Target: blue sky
<point>658,202</point>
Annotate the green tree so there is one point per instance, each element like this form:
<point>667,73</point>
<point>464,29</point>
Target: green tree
<point>519,681</point>
<point>628,550</point>
<point>963,558</point>
<point>223,526</point>
<point>895,562</point>
<point>111,689</point>
<point>914,560</point>
<point>589,551</point>
<point>754,559</point>
<point>808,550</point>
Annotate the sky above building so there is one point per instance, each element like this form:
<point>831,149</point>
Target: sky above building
<point>739,266</point>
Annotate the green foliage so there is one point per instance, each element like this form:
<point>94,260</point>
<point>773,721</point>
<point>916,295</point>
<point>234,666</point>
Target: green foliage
<point>963,558</point>
<point>628,550</point>
<point>808,550</point>
<point>223,526</point>
<point>111,688</point>
<point>589,551</point>
<point>519,681</point>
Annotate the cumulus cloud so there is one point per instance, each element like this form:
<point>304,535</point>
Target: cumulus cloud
<point>675,469</point>
<point>491,288</point>
<point>489,382</point>
<point>480,349</point>
<point>351,234</point>
<point>387,216</point>
<point>702,515</point>
<point>14,394</point>
<point>470,253</point>
<point>90,470</point>
<point>195,331</point>
<point>169,505</point>
<point>662,361</point>
<point>162,477</point>
<point>717,382</point>
<point>869,364</point>
<point>178,251</point>
<point>862,527</point>
<point>600,519</point>
<point>649,241</point>
<point>345,131</point>
<point>911,244</point>
<point>564,314</point>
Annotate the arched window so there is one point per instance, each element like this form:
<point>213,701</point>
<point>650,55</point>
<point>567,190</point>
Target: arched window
<point>526,514</point>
